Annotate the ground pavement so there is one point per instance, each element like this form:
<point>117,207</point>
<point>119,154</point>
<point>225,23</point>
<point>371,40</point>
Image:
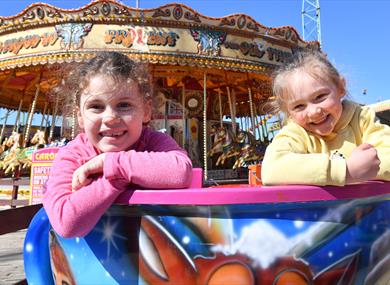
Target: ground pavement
<point>11,257</point>
<point>11,251</point>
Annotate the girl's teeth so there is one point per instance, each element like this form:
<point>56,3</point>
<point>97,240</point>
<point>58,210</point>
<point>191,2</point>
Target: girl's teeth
<point>113,134</point>
<point>321,121</point>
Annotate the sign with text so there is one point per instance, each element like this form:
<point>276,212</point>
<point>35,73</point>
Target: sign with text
<point>42,160</point>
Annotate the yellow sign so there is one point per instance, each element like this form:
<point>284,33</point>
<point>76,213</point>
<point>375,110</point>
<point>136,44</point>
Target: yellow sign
<point>42,160</point>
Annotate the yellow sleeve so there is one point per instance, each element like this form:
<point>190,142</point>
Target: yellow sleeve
<point>378,135</point>
<point>287,161</point>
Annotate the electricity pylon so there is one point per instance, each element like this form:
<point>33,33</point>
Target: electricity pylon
<point>311,26</point>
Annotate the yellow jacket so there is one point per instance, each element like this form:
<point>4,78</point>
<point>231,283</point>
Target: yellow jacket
<point>296,156</point>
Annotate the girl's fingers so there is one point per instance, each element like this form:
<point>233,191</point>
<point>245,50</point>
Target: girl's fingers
<point>81,175</point>
<point>75,182</point>
<point>84,182</point>
<point>365,146</point>
<point>79,178</point>
<point>79,181</point>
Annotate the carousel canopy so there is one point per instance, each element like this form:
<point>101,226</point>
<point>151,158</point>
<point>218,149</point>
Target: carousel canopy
<point>179,43</point>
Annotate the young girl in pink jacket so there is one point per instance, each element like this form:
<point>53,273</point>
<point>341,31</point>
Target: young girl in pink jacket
<point>115,152</point>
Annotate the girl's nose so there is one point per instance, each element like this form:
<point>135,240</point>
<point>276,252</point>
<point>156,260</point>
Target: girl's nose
<point>315,111</point>
<point>110,116</point>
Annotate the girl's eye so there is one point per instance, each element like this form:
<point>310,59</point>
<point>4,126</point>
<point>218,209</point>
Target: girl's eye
<point>95,107</point>
<point>321,97</point>
<point>123,106</point>
<point>298,107</point>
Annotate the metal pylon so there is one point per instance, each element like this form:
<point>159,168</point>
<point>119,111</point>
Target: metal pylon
<point>311,26</point>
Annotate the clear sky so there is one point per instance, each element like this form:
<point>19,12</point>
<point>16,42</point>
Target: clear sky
<point>354,32</point>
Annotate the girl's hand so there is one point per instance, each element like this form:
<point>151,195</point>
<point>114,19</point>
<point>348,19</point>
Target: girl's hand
<point>363,164</point>
<point>81,175</point>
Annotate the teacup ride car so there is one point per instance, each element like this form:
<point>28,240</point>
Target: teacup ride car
<point>232,235</point>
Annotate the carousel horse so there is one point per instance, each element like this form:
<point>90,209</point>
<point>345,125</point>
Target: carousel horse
<point>8,159</point>
<point>220,136</point>
<point>59,143</point>
<point>13,141</point>
<point>245,137</point>
<point>248,154</point>
<point>223,143</point>
<point>251,151</point>
<point>25,154</point>
<point>10,162</point>
<point>229,149</point>
<point>18,156</point>
<point>38,139</point>
<point>3,146</point>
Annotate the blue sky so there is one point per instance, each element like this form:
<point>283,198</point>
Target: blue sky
<point>354,32</point>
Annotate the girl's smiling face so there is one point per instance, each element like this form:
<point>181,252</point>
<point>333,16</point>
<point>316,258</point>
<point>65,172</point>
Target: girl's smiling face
<point>112,113</point>
<point>314,104</point>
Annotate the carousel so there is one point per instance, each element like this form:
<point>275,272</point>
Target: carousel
<point>382,110</point>
<point>212,79</point>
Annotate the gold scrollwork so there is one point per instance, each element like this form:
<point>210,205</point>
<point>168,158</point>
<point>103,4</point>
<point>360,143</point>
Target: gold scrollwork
<point>193,103</point>
<point>161,13</point>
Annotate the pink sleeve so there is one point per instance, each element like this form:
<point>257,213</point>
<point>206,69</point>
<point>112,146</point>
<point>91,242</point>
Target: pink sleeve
<point>158,162</point>
<point>76,213</point>
<point>163,164</point>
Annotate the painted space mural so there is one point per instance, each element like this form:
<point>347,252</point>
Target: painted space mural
<point>330,242</point>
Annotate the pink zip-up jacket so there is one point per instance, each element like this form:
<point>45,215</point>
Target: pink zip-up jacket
<point>155,161</point>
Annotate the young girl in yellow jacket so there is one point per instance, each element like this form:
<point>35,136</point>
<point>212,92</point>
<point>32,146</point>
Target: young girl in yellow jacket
<point>327,140</point>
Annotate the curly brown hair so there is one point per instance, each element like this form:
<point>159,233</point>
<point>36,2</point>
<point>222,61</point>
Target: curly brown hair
<point>74,78</point>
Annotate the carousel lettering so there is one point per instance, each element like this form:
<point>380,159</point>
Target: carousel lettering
<point>126,38</point>
<point>137,35</point>
<point>251,49</point>
<point>45,156</point>
<point>162,39</point>
<point>15,45</point>
<point>28,42</point>
<point>49,39</point>
<point>278,55</point>
<point>246,48</point>
<point>43,170</point>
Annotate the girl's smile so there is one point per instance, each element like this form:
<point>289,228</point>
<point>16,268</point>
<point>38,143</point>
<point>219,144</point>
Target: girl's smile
<point>112,113</point>
<point>321,121</point>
